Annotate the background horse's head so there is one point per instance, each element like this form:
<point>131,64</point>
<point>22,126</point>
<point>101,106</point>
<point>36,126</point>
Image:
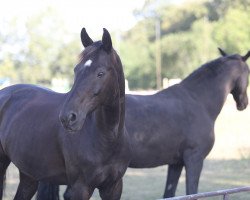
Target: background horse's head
<point>96,81</point>
<point>239,90</point>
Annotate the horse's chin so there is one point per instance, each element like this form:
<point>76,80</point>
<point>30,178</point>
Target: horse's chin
<point>241,107</point>
<point>74,128</point>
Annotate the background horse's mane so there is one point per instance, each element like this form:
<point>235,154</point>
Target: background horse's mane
<point>212,68</point>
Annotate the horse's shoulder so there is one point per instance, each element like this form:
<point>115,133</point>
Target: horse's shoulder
<point>180,100</point>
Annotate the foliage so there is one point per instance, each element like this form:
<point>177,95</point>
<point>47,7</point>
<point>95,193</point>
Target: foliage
<point>44,49</point>
<point>138,58</point>
<point>190,35</point>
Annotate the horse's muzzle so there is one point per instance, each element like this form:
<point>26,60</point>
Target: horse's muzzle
<point>70,122</point>
<point>242,105</point>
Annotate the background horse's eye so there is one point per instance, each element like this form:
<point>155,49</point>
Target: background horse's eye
<point>100,74</point>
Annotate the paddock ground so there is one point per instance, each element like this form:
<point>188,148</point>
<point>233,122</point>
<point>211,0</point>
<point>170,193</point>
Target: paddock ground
<point>227,166</point>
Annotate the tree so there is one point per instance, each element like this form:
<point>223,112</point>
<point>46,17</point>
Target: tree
<point>45,50</point>
<point>232,31</point>
<point>191,33</point>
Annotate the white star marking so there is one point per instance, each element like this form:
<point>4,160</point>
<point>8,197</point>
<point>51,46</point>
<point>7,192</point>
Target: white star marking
<point>88,63</point>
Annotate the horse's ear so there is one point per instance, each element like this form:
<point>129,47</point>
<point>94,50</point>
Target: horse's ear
<point>245,57</point>
<point>106,41</point>
<point>223,53</point>
<point>86,40</point>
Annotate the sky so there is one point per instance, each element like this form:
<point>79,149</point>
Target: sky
<point>92,14</point>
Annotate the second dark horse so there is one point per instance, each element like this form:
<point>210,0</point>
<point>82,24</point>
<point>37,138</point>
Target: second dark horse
<point>176,126</point>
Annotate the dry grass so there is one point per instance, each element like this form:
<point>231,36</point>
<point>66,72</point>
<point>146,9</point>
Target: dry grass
<point>227,166</point>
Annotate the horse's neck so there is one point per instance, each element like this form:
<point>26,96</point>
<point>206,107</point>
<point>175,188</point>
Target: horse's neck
<point>110,119</point>
<point>213,92</point>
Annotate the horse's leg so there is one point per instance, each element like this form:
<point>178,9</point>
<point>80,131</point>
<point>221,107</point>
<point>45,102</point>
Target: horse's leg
<point>67,193</point>
<point>47,191</point>
<point>111,191</point>
<point>174,172</point>
<point>80,191</point>
<point>26,188</point>
<point>193,164</point>
<point>4,163</point>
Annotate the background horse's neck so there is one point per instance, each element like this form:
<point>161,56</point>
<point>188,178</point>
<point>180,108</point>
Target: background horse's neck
<point>211,88</point>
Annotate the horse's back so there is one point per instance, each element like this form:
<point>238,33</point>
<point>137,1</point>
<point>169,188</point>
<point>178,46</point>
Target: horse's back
<point>19,92</point>
<point>161,110</point>
<point>29,121</point>
<point>22,99</point>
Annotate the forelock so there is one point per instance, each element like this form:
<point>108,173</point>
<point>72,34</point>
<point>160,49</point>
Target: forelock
<point>89,50</point>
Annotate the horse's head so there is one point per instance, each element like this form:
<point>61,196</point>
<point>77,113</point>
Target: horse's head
<point>95,83</point>
<point>239,89</point>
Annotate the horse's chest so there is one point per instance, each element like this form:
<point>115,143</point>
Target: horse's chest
<point>93,163</point>
<point>105,174</point>
<point>95,168</point>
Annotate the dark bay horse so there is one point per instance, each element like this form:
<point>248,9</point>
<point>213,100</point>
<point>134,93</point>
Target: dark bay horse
<point>88,147</point>
<point>176,125</point>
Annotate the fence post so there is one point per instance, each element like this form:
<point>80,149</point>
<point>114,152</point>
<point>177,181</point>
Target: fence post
<point>225,197</point>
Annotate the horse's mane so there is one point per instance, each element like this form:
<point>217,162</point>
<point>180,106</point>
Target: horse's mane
<point>89,50</point>
<point>210,69</point>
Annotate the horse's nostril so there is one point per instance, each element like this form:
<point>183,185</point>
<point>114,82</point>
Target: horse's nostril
<point>72,117</point>
<point>62,120</point>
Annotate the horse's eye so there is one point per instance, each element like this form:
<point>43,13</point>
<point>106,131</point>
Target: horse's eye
<point>100,74</point>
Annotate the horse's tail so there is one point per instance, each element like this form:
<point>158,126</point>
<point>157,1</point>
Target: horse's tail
<point>4,186</point>
<point>67,193</point>
<point>47,191</point>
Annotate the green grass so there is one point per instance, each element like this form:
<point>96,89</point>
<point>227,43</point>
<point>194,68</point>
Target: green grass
<point>227,166</point>
<point>148,184</point>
